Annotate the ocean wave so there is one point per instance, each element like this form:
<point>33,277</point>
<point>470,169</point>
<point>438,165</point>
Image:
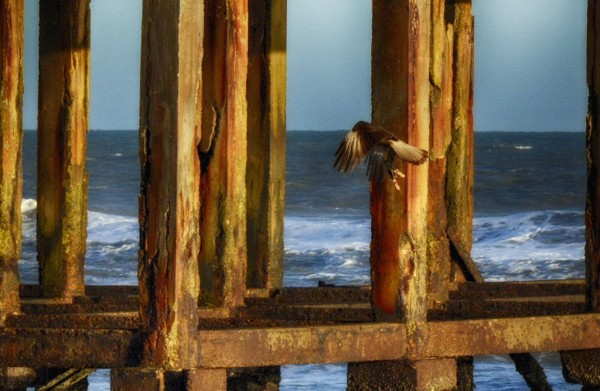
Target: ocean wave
<point>522,246</point>
<point>529,246</point>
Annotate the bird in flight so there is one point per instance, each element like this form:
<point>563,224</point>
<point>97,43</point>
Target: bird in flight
<point>380,148</point>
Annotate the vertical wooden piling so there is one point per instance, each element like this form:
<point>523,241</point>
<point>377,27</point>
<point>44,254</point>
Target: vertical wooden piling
<point>459,185</point>
<point>441,71</point>
<point>592,215</point>
<point>583,366</point>
<point>223,152</point>
<point>62,132</point>
<point>400,98</point>
<point>171,95</point>
<point>265,178</point>
<point>11,140</point>
<point>390,110</point>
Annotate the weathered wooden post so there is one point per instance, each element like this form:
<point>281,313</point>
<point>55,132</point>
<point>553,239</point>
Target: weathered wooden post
<point>265,171</point>
<point>265,179</point>
<point>11,139</point>
<point>583,367</point>
<point>62,133</point>
<point>223,152</point>
<point>401,62</point>
<point>171,94</point>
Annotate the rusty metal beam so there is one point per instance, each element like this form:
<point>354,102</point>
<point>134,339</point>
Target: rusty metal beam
<point>269,346</point>
<point>321,295</point>
<point>64,77</point>
<point>501,336</point>
<point>29,290</point>
<point>514,289</point>
<point>67,348</point>
<point>11,145</point>
<point>300,345</point>
<point>122,320</point>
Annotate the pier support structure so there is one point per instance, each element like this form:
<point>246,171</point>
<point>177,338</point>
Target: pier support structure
<point>210,311</point>
<point>583,367</point>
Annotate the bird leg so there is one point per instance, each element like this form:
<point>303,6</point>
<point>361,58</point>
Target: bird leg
<point>394,173</point>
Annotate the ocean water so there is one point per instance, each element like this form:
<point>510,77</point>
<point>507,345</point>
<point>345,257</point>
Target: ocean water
<point>529,209</point>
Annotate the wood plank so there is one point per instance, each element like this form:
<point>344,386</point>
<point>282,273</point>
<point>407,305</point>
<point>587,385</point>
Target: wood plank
<point>11,140</point>
<point>63,105</point>
<point>265,172</point>
<point>171,79</point>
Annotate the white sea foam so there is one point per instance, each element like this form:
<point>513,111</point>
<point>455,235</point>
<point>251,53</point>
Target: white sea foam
<point>534,245</point>
<point>523,147</point>
<point>522,246</point>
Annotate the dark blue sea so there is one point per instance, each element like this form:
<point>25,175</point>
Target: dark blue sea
<point>529,225</point>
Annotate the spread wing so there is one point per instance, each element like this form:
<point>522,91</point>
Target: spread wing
<point>408,153</point>
<point>352,150</point>
<point>377,164</point>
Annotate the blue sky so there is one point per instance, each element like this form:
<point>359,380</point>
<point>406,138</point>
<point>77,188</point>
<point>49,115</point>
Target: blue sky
<point>530,64</point>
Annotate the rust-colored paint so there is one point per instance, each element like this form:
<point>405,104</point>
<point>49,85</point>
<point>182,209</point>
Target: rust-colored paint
<point>171,88</point>
<point>11,144</point>
<point>223,153</point>
<point>62,141</point>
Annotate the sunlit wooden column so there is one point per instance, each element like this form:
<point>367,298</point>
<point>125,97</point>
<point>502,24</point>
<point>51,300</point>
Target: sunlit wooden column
<point>265,179</point>
<point>170,116</point>
<point>400,98</point>
<point>459,186</point>
<point>459,154</point>
<point>402,103</point>
<point>583,367</point>
<point>64,77</point>
<point>223,152</point>
<point>11,140</point>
